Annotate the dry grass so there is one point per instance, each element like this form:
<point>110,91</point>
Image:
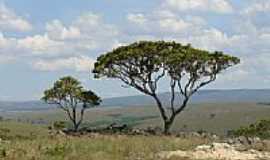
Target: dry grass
<point>196,117</point>
<point>41,146</point>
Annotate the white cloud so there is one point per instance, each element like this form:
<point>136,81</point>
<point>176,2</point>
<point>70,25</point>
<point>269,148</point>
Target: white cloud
<point>243,38</point>
<point>252,69</point>
<point>61,46</point>
<point>4,42</point>
<point>211,39</point>
<point>92,26</point>
<point>88,33</point>
<point>217,6</point>
<point>9,21</point>
<point>69,46</point>
<point>165,22</point>
<point>85,34</point>
<point>56,30</point>
<point>175,25</point>
<point>40,45</point>
<point>88,20</point>
<point>258,6</point>
<point>8,46</point>
<point>80,64</point>
<point>137,18</point>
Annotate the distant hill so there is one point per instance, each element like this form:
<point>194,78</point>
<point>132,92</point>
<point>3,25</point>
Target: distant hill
<point>203,96</point>
<point>24,106</point>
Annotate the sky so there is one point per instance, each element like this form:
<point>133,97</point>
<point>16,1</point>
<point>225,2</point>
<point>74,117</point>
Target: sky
<point>41,41</point>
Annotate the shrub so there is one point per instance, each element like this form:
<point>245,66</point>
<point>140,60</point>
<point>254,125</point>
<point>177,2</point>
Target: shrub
<point>59,125</point>
<point>57,150</point>
<point>259,129</point>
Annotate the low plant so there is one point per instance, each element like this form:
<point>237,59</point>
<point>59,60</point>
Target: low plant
<point>259,129</point>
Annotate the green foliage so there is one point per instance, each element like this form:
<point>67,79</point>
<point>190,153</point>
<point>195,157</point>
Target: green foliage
<point>142,58</point>
<point>4,133</point>
<point>260,129</point>
<point>59,125</point>
<point>142,64</point>
<point>57,150</point>
<point>99,147</point>
<point>68,94</point>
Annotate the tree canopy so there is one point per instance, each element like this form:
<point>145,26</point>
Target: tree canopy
<point>142,64</point>
<point>69,95</point>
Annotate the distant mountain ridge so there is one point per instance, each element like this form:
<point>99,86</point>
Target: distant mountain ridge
<point>203,96</point>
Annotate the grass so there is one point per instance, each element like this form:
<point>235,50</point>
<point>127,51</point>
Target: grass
<point>215,118</point>
<point>37,144</point>
<point>102,148</point>
<point>28,140</point>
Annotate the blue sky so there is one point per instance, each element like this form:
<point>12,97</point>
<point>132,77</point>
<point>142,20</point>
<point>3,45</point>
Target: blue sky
<point>41,41</point>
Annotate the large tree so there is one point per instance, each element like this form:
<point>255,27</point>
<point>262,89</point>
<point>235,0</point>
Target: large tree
<point>68,94</point>
<point>142,65</point>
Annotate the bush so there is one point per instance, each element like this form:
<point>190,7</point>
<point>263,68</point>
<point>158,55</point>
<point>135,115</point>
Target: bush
<point>260,129</point>
<point>60,125</point>
<point>57,150</point>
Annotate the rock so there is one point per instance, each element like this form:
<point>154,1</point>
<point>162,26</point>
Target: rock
<point>240,147</point>
<point>203,148</point>
<point>254,140</point>
<point>217,151</point>
<point>230,141</point>
<point>244,140</point>
<point>220,146</point>
<point>195,134</point>
<point>215,137</point>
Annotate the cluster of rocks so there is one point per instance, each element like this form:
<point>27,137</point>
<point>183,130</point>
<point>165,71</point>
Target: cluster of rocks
<point>119,129</point>
<point>207,135</point>
<point>124,129</point>
<point>217,151</point>
<point>242,140</point>
<point>245,143</point>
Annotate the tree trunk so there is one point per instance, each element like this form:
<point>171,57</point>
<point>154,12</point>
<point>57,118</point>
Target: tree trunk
<point>75,126</point>
<point>168,125</point>
<point>74,114</point>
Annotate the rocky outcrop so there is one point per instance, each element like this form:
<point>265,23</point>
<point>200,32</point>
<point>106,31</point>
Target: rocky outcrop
<point>217,151</point>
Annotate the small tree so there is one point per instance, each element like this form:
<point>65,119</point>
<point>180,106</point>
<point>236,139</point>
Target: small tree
<point>68,94</point>
<point>143,64</point>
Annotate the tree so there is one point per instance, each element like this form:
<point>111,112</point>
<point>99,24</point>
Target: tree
<point>142,65</point>
<point>68,94</point>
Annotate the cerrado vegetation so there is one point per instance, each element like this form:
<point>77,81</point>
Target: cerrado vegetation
<point>69,95</point>
<point>142,65</point>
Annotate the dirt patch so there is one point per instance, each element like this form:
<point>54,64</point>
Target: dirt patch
<point>217,151</point>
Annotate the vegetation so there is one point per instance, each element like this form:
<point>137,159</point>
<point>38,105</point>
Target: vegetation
<point>68,94</point>
<point>27,141</point>
<point>142,65</point>
<point>260,129</point>
<point>229,116</point>
<point>59,125</point>
<point>43,146</point>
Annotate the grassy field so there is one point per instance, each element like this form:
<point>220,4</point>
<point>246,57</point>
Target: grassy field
<point>215,118</point>
<point>25,135</point>
<point>32,142</point>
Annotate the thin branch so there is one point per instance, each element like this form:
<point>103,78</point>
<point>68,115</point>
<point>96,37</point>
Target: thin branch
<point>173,83</point>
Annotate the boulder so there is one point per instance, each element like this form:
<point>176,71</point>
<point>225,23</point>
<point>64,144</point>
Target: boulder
<point>217,151</point>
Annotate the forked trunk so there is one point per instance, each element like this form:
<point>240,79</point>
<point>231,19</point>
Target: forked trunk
<point>75,126</point>
<point>168,125</point>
